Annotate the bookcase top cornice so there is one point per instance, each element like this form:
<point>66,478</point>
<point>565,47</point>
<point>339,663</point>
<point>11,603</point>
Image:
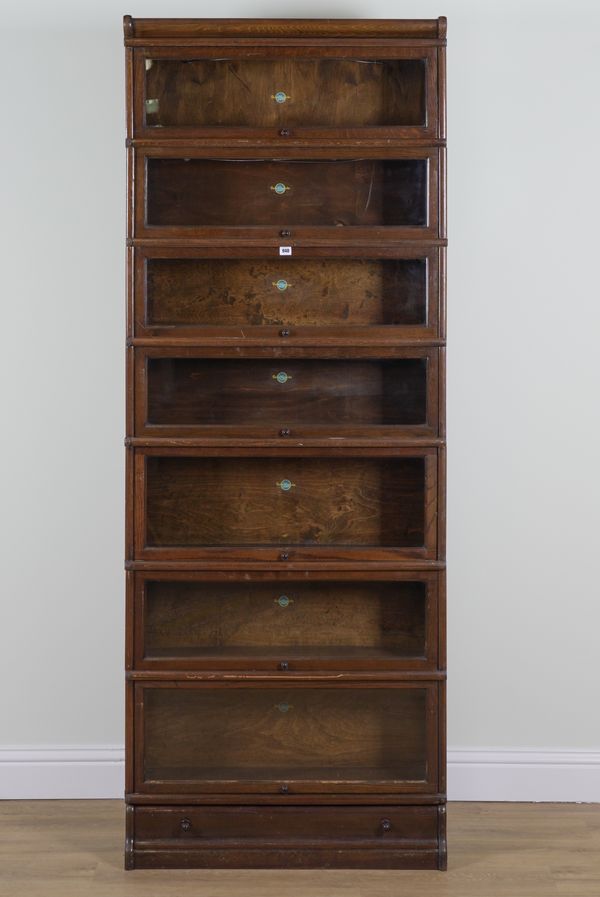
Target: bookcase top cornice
<point>136,30</point>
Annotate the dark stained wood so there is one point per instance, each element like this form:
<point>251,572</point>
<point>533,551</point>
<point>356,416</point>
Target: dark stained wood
<point>288,857</point>
<point>214,501</point>
<point>197,835</point>
<point>164,29</point>
<point>239,292</point>
<point>185,392</point>
<point>250,92</point>
<point>338,194</point>
<point>338,474</point>
<point>296,397</point>
<point>374,295</point>
<point>219,192</point>
<point>187,623</point>
<point>338,737</point>
<point>285,657</point>
<point>373,91</point>
<point>375,677</point>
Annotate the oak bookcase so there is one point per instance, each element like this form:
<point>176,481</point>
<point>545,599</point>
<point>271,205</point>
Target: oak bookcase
<point>285,443</point>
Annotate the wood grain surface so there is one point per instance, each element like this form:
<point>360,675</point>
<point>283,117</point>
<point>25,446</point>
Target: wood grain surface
<point>195,391</point>
<point>237,292</point>
<point>233,30</point>
<point>222,192</point>
<point>252,454</point>
<point>196,734</point>
<point>342,501</point>
<point>192,617</point>
<point>311,92</point>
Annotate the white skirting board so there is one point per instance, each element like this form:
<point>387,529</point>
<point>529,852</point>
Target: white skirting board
<point>474,774</point>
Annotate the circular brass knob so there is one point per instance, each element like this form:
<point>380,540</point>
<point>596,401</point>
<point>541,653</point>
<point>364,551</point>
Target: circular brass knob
<point>284,431</point>
<point>284,665</point>
<point>284,132</point>
<point>284,789</point>
<point>185,824</point>
<point>284,332</point>
<point>386,825</point>
<point>284,556</point>
<point>285,233</point>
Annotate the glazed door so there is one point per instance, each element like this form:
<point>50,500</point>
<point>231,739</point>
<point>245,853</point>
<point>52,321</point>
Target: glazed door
<point>305,394</point>
<point>195,504</point>
<point>254,621</point>
<point>255,295</point>
<point>286,738</point>
<point>278,93</point>
<point>286,196</point>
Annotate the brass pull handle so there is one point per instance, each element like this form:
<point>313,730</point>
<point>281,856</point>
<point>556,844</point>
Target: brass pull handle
<point>283,601</point>
<point>282,377</point>
<point>282,284</point>
<point>279,188</point>
<point>280,97</point>
<point>286,485</point>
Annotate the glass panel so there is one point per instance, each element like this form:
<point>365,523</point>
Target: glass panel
<point>352,734</point>
<point>192,391</point>
<point>216,192</point>
<point>359,620</point>
<point>309,292</point>
<point>284,92</point>
<point>276,501</point>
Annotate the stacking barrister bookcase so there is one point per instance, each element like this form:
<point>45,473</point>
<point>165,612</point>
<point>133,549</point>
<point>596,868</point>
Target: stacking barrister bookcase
<point>285,444</point>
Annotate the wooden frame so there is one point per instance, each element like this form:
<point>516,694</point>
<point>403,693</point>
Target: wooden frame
<point>143,661</point>
<point>289,232</point>
<point>283,553</point>
<point>143,426</point>
<point>300,787</point>
<point>428,131</point>
<point>140,329</point>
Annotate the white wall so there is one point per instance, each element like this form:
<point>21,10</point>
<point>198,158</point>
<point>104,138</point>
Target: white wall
<point>524,313</point>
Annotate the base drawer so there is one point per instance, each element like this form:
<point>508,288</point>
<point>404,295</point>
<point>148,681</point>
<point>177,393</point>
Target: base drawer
<point>259,837</point>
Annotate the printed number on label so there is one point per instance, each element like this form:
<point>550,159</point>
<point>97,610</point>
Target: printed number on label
<point>285,250</point>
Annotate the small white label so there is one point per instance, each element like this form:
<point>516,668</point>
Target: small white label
<point>285,250</point>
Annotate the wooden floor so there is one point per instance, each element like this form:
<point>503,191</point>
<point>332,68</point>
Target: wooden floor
<point>74,849</point>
